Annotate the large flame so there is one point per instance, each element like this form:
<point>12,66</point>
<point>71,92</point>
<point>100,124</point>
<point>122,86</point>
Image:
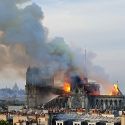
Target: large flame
<point>115,90</point>
<point>66,87</point>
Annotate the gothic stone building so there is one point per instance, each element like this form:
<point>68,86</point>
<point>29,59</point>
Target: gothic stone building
<point>39,85</point>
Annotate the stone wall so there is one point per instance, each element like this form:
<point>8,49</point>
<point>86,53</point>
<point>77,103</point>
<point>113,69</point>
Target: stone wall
<point>107,102</point>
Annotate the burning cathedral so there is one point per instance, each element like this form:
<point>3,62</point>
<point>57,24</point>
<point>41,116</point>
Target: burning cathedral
<point>76,93</point>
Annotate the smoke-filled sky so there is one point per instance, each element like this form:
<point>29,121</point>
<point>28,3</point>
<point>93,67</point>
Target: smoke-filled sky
<point>95,25</point>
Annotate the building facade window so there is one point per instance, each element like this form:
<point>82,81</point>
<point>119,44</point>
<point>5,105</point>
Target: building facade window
<point>59,123</point>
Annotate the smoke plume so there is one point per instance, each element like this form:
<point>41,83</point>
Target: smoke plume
<point>24,41</point>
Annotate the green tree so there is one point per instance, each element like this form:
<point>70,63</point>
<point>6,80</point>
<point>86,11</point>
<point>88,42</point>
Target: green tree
<point>2,122</point>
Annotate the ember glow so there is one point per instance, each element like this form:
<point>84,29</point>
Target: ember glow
<point>66,87</point>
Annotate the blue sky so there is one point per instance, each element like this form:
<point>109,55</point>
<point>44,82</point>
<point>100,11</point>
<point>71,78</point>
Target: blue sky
<point>97,25</point>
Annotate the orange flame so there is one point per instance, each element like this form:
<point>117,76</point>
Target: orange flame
<point>66,87</point>
<point>115,90</point>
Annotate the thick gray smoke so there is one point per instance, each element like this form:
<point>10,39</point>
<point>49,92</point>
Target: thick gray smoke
<point>84,63</point>
<point>24,41</point>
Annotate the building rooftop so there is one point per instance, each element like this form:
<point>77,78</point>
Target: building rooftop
<point>87,117</point>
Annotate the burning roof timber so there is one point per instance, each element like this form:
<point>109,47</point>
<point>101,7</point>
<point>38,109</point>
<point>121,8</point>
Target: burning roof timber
<point>43,78</point>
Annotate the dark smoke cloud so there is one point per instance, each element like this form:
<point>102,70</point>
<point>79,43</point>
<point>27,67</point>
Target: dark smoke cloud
<point>24,41</point>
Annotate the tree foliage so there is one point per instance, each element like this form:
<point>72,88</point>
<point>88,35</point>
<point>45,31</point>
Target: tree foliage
<point>2,122</point>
